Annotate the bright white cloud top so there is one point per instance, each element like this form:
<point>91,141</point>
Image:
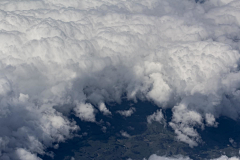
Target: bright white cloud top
<point>176,53</point>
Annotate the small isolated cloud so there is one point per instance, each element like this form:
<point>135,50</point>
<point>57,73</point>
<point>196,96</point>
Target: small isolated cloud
<point>56,146</point>
<point>233,143</point>
<point>156,116</point>
<point>125,134</point>
<point>85,111</point>
<point>210,120</point>
<point>102,107</point>
<point>104,129</point>
<point>127,113</point>
<point>183,123</point>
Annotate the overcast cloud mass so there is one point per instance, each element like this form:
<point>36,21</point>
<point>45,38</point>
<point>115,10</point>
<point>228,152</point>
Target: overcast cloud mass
<point>62,56</point>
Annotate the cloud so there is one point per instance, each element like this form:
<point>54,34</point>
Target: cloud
<point>58,57</point>
<point>155,157</point>
<point>85,112</point>
<point>226,158</point>
<point>210,120</point>
<point>102,107</point>
<point>25,155</point>
<point>156,116</point>
<point>127,113</point>
<point>125,134</point>
<point>183,122</point>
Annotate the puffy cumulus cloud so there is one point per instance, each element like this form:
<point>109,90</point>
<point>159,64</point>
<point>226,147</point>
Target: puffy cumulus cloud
<point>155,157</point>
<point>102,107</point>
<point>127,113</point>
<point>25,155</point>
<point>58,56</point>
<point>183,122</point>
<point>210,120</point>
<point>26,127</point>
<point>85,112</point>
<point>156,116</point>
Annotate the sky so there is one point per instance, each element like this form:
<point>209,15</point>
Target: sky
<point>73,57</point>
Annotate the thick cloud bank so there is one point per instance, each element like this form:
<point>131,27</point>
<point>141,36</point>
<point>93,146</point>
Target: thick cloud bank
<point>62,56</point>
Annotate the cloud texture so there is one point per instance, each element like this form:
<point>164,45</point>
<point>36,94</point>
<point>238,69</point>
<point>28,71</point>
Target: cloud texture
<point>63,56</point>
<point>155,157</point>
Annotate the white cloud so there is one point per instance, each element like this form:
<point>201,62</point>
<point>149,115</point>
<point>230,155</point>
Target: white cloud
<point>156,116</point>
<point>183,122</point>
<point>58,54</point>
<point>210,120</point>
<point>102,107</point>
<point>85,112</point>
<point>26,155</point>
<point>125,134</point>
<point>127,113</point>
<point>160,91</point>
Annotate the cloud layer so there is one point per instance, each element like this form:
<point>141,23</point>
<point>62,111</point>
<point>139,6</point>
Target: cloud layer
<point>63,56</point>
<point>155,157</point>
